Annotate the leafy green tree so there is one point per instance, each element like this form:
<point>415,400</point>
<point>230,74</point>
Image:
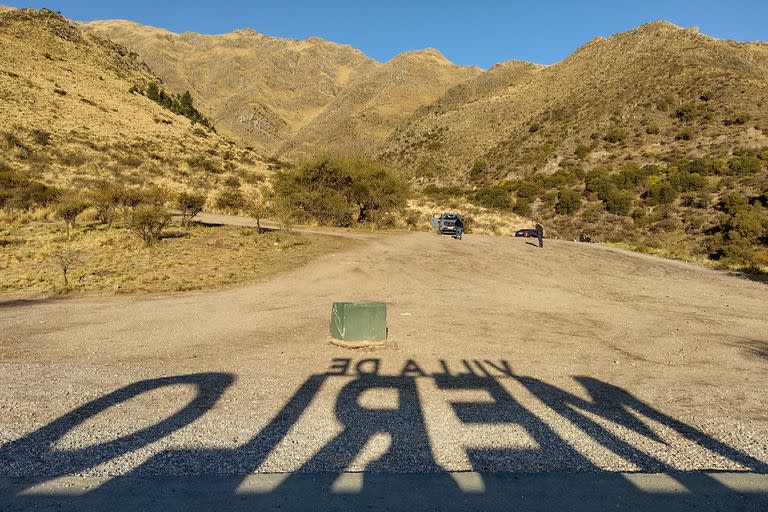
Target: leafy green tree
<point>69,209</point>
<point>616,201</point>
<point>189,205</point>
<point>568,201</point>
<point>328,190</point>
<point>107,199</point>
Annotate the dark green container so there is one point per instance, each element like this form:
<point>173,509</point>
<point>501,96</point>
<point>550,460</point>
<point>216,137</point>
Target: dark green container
<point>359,321</point>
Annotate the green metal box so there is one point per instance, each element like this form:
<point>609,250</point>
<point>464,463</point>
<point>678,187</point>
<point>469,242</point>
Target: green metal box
<point>359,321</point>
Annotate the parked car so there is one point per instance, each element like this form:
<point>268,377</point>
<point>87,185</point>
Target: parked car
<point>526,233</point>
<point>446,223</point>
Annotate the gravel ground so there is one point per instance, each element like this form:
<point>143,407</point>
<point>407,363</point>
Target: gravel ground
<point>504,357</point>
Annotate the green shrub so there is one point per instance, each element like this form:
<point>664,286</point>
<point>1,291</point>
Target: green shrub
<point>230,200</point>
<point>582,150</point>
<point>686,112</point>
<point>662,192</point>
<point>324,188</point>
<point>181,104</point>
<point>745,164</point>
<point>108,199</point>
<point>528,189</point>
<point>568,202</point>
<point>148,222</point>
<point>493,197</point>
<point>652,129</point>
<point>748,222</point>
<point>616,201</point>
<point>522,206</point>
<point>687,181</point>
<point>615,135</point>
<point>69,209</point>
<point>20,193</point>
<point>189,205</point>
<point>640,217</point>
<point>597,182</point>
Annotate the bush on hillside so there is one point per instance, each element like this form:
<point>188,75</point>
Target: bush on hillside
<point>230,200</point>
<point>686,112</point>
<point>181,104</point>
<point>615,135</point>
<point>148,222</point>
<point>661,192</point>
<point>69,209</point>
<point>616,201</point>
<point>522,207</point>
<point>20,193</point>
<point>493,197</point>
<point>568,202</point>
<point>189,205</point>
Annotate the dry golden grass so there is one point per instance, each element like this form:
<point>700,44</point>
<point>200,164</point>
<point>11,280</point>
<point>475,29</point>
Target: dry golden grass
<point>520,118</point>
<point>65,104</point>
<point>113,260</point>
<point>288,96</point>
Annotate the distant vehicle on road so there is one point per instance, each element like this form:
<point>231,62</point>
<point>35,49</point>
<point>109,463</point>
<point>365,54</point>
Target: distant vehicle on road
<point>448,224</point>
<point>526,233</point>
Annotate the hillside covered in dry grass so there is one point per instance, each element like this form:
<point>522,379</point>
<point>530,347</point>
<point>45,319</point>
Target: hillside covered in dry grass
<point>655,138</point>
<point>68,117</point>
<point>286,96</point>
<point>647,138</point>
<point>654,93</point>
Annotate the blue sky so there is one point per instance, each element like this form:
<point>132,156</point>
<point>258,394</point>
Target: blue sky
<point>479,32</point>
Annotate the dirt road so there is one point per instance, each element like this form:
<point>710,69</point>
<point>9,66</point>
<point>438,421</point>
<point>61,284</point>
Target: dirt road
<point>503,357</point>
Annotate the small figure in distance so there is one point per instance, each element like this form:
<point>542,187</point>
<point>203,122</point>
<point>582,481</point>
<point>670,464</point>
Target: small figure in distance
<point>459,228</point>
<point>540,234</point>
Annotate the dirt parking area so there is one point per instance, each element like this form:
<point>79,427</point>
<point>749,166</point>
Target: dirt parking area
<point>503,358</point>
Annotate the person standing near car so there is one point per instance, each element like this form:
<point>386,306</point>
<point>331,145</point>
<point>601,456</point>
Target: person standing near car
<point>459,228</point>
<point>540,234</point>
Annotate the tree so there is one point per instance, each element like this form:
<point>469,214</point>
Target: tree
<point>340,190</point>
<point>616,201</point>
<point>568,202</point>
<point>522,206</point>
<point>107,199</point>
<point>189,205</point>
<point>257,206</point>
<point>230,200</point>
<point>148,222</point>
<point>66,259</point>
<point>68,211</point>
<point>153,92</point>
